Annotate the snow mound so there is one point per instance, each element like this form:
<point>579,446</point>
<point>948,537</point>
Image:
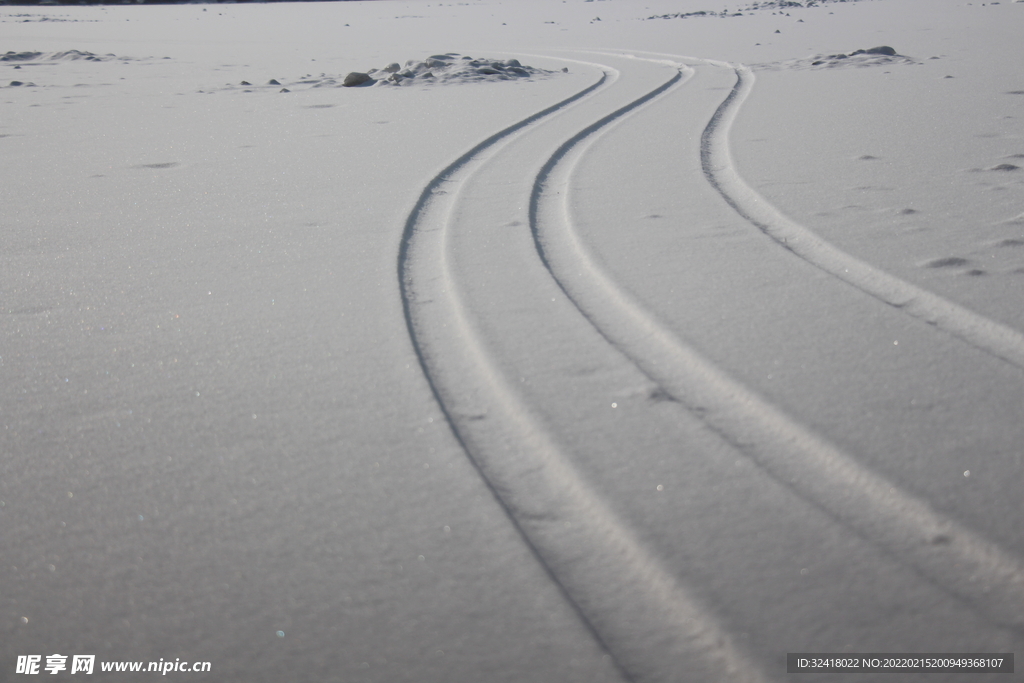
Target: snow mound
<point>12,56</point>
<point>752,7</point>
<point>875,56</point>
<point>788,4</point>
<point>75,55</point>
<point>64,56</point>
<point>29,18</point>
<point>447,68</point>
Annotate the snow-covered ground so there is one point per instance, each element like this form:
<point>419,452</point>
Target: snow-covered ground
<point>610,341</point>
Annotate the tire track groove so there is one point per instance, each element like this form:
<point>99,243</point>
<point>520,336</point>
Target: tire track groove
<point>981,332</point>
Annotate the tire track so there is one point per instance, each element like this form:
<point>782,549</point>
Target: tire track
<point>988,335</point>
<point>652,627</point>
<point>947,553</point>
<point>977,330</point>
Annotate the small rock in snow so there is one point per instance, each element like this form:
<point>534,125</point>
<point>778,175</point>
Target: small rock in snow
<point>356,78</point>
<point>880,50</point>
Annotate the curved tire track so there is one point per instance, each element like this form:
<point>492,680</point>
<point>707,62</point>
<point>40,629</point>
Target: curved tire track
<point>986,334</point>
<point>649,623</point>
<point>942,550</point>
<point>981,332</point>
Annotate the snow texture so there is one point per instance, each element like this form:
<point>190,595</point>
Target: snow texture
<point>647,351</point>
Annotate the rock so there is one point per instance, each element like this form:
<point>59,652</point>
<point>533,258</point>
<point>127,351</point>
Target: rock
<point>512,62</point>
<point>16,83</point>
<point>273,81</point>
<point>393,67</point>
<point>245,83</point>
<point>356,78</point>
<point>880,50</point>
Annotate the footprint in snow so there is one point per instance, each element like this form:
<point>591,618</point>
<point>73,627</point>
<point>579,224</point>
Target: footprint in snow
<point>163,165</point>
<point>947,262</point>
<point>1004,168</point>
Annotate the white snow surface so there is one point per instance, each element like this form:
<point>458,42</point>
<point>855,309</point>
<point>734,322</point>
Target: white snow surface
<point>642,345</point>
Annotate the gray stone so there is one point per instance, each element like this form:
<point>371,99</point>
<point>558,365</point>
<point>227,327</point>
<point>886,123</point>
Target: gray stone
<point>356,78</point>
<point>880,50</point>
